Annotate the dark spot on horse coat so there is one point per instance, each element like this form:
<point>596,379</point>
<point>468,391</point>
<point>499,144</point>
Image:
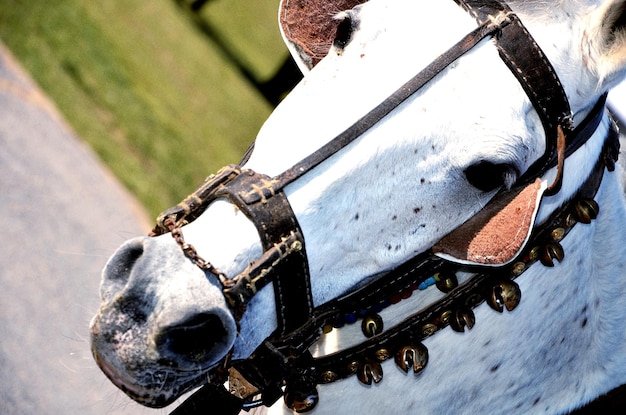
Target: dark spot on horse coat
<point>583,314</point>
<point>416,230</point>
<point>495,367</point>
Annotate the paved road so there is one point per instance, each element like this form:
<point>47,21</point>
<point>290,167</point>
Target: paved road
<point>62,215</point>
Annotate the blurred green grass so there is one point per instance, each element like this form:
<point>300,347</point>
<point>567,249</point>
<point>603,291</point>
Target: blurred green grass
<point>156,99</point>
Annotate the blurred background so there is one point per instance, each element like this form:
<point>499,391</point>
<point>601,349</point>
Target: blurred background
<point>110,112</point>
<point>165,91</point>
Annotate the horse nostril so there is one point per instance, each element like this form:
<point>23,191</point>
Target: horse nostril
<point>193,339</point>
<point>121,264</point>
<point>118,269</point>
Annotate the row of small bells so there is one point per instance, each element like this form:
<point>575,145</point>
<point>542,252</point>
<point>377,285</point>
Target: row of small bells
<point>413,355</point>
<point>504,294</point>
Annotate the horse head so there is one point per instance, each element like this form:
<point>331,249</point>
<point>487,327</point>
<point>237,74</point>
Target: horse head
<point>421,176</point>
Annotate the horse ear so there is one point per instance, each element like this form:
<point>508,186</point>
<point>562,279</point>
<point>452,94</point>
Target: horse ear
<point>309,27</point>
<point>607,42</point>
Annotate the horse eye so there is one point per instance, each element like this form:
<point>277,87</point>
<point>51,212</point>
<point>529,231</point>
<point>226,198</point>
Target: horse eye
<point>487,176</point>
<point>344,32</point>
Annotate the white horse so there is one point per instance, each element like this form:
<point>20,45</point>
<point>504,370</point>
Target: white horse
<point>440,158</point>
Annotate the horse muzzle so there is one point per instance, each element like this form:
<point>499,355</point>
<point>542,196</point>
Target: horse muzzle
<point>156,343</point>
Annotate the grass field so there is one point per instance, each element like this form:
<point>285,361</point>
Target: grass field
<point>156,99</point>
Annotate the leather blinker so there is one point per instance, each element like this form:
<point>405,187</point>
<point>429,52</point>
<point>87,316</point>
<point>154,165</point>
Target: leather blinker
<point>497,234</point>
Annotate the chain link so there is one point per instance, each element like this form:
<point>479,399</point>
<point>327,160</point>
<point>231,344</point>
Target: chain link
<point>191,253</point>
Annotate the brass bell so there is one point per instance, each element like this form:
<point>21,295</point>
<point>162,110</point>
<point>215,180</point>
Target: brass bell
<point>239,386</point>
<point>586,210</point>
<point>505,293</point>
<point>429,329</point>
<point>446,281</point>
<point>382,354</point>
<point>372,325</point>
<point>353,367</point>
<point>301,401</point>
<point>550,252</point>
<point>461,318</point>
<point>368,371</point>
<point>414,355</point>
<point>558,234</point>
<point>329,376</point>
<point>518,268</point>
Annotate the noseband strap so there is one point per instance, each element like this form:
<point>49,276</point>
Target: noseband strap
<point>284,358</point>
<point>262,198</point>
<point>284,262</point>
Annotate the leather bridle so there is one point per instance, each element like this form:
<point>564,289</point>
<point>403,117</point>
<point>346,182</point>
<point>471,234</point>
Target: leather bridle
<point>283,364</point>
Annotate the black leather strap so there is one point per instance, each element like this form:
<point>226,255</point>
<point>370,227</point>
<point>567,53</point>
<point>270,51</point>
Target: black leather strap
<point>392,102</point>
<point>269,210</point>
<point>468,295</point>
<point>274,219</point>
<point>210,399</point>
<point>536,75</point>
<point>261,199</point>
<point>612,403</point>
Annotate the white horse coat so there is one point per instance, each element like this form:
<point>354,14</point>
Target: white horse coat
<point>393,193</point>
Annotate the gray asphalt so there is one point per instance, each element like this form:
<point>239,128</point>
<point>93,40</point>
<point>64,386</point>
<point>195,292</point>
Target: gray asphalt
<point>61,215</point>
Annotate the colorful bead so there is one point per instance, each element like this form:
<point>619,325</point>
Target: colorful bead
<point>430,281</point>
